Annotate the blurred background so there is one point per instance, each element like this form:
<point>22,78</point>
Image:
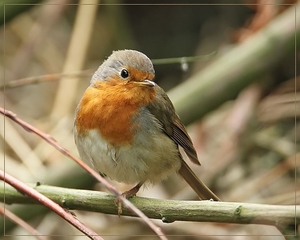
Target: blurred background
<point>244,132</point>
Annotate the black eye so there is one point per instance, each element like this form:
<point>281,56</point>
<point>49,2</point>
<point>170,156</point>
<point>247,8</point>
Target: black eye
<point>124,73</point>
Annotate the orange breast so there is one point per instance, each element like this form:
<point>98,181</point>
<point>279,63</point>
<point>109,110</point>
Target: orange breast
<point>110,107</point>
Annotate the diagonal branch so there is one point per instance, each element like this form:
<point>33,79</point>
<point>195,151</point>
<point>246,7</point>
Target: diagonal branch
<point>22,223</point>
<point>30,192</point>
<point>64,151</point>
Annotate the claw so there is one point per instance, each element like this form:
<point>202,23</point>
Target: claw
<point>128,194</point>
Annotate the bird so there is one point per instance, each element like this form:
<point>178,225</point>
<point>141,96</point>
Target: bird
<point>127,129</point>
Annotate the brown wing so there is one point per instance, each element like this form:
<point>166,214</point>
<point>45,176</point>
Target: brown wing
<point>181,137</point>
<point>163,109</point>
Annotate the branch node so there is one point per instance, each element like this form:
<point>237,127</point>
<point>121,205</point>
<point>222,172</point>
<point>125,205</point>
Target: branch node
<point>165,219</point>
<point>238,211</point>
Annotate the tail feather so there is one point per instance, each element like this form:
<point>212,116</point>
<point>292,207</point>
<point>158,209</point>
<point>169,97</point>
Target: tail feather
<point>196,184</point>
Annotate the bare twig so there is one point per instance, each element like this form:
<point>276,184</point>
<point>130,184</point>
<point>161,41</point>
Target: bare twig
<point>20,186</point>
<point>44,78</point>
<point>182,60</point>
<point>64,151</point>
<point>22,223</point>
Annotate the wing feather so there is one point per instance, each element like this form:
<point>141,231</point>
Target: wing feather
<point>163,109</point>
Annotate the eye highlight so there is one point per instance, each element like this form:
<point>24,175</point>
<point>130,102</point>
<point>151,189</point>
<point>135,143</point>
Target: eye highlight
<point>124,73</point>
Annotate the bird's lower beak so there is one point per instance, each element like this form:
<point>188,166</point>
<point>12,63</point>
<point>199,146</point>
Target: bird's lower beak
<point>146,82</point>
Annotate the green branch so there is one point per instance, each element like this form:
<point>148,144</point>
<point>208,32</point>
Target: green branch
<point>166,210</point>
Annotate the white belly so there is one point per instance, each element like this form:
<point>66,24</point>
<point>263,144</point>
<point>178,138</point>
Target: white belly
<point>152,159</point>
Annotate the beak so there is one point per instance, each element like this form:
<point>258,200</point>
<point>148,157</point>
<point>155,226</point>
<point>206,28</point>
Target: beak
<point>146,83</point>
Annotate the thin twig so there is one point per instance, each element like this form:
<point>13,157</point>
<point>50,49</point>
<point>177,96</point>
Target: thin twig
<point>20,186</point>
<point>21,223</point>
<point>64,151</point>
<point>44,78</point>
<point>182,60</point>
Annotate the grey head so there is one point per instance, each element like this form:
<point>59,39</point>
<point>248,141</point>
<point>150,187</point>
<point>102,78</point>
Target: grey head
<point>121,59</point>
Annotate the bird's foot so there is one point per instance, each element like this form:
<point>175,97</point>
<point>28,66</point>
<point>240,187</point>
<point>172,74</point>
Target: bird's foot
<point>128,194</point>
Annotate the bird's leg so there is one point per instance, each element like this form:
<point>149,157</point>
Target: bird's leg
<point>128,194</point>
<point>133,191</point>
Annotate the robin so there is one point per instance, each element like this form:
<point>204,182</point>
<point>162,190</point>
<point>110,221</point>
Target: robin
<point>126,126</point>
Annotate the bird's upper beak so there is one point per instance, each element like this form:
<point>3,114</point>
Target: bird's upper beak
<point>146,82</point>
